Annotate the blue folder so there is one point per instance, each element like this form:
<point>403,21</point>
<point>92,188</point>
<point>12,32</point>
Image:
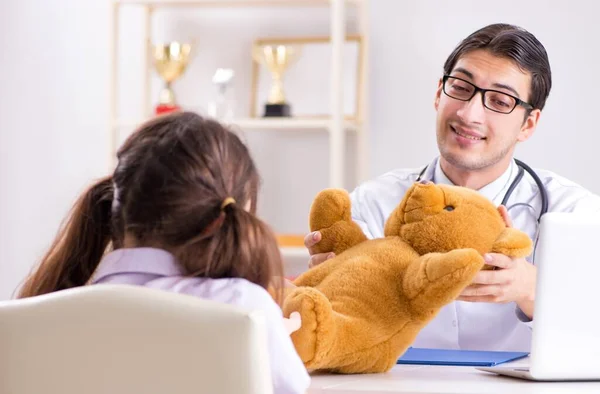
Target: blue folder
<point>474,358</point>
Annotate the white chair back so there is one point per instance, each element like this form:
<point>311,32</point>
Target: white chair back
<point>117,339</point>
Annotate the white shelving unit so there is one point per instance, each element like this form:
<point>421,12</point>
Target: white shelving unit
<point>335,125</point>
<point>291,124</point>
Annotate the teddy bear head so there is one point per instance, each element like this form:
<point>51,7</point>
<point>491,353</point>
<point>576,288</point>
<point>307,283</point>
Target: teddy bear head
<point>440,218</point>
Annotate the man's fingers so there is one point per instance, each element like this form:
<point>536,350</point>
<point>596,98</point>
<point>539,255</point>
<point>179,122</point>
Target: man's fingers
<point>498,260</point>
<point>311,239</point>
<point>490,299</point>
<point>319,258</point>
<point>481,291</point>
<point>504,213</point>
<point>489,277</point>
<point>485,278</point>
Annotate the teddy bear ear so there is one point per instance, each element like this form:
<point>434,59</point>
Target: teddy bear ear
<point>513,243</point>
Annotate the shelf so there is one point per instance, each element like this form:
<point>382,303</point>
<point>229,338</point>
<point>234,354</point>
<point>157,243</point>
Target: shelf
<point>336,127</point>
<point>231,3</point>
<point>299,124</point>
<point>295,252</point>
<point>293,124</point>
<point>295,260</point>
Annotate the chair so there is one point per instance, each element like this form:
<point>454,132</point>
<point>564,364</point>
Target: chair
<point>129,339</point>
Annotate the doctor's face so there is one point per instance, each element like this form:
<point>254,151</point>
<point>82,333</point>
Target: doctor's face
<point>471,136</point>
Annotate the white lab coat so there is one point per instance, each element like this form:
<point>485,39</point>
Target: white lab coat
<point>466,325</point>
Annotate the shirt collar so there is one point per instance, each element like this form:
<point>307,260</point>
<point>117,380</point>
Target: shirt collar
<point>138,260</point>
<point>494,191</point>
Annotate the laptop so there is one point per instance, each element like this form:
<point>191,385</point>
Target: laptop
<point>566,327</point>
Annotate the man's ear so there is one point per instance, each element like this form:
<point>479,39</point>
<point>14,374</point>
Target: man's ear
<point>513,243</point>
<point>529,125</point>
<point>438,94</point>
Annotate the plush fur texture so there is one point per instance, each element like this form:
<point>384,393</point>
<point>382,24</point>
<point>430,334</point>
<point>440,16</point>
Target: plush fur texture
<point>362,309</point>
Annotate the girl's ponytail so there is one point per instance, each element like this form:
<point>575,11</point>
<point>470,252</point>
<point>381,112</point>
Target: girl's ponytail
<point>79,245</point>
<point>238,245</point>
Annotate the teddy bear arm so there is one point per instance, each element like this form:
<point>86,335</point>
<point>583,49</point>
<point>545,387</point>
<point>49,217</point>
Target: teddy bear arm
<point>513,243</point>
<point>436,279</point>
<point>340,237</point>
<point>331,214</point>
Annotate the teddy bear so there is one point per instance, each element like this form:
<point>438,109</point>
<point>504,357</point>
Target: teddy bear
<point>362,309</point>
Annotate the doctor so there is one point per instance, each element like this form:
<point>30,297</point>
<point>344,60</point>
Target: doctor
<point>490,97</point>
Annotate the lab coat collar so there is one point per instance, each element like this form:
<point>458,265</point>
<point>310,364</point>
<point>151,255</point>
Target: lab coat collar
<point>494,191</point>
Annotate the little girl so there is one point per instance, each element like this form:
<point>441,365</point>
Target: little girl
<point>178,215</point>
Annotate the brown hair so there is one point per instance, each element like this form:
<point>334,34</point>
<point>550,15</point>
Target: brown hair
<point>516,44</point>
<point>167,191</point>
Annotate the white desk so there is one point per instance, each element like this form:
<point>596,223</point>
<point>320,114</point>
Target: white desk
<point>413,379</point>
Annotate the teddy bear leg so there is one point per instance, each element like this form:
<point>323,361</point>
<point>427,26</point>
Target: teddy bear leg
<point>436,279</point>
<point>377,359</point>
<point>330,341</point>
<point>316,335</point>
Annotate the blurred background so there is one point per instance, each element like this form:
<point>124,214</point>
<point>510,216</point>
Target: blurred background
<point>61,119</point>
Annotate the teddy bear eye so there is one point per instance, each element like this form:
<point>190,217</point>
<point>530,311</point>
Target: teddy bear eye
<point>449,208</point>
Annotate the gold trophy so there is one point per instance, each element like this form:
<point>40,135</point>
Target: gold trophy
<point>170,61</point>
<point>277,58</point>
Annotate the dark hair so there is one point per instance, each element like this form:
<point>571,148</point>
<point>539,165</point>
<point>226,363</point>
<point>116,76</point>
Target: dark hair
<point>516,44</point>
<point>167,191</point>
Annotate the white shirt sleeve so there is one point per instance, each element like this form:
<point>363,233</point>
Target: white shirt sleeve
<point>566,197</point>
<point>373,201</point>
<point>356,213</point>
<point>523,318</point>
<point>588,204</point>
<point>288,372</point>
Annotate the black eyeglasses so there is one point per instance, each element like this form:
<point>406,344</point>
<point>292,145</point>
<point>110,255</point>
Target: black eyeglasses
<point>493,100</point>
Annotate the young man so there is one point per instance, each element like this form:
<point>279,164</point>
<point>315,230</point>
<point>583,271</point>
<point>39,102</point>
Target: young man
<point>490,98</point>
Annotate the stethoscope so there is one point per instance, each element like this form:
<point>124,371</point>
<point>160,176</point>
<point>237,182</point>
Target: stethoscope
<point>543,195</point>
<point>522,168</point>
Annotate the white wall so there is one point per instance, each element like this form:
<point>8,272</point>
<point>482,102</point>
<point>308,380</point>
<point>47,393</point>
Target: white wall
<point>53,116</point>
<point>54,99</point>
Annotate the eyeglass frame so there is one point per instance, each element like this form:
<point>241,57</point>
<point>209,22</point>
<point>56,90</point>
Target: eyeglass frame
<point>477,89</point>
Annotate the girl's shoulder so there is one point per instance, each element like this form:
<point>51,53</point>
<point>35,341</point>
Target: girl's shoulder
<point>234,291</point>
<point>254,296</point>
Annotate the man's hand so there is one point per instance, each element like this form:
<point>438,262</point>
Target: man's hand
<point>311,240</point>
<point>512,279</point>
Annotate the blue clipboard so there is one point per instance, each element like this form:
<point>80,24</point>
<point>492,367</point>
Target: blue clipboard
<point>473,358</point>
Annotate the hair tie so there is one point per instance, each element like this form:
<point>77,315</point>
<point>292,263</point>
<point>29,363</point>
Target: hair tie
<point>226,202</point>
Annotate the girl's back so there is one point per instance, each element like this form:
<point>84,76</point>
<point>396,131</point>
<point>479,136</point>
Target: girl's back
<point>178,215</point>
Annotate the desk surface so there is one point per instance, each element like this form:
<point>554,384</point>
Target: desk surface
<point>414,379</point>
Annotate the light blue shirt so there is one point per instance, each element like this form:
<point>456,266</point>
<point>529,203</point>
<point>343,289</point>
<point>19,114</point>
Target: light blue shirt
<point>465,325</point>
<point>158,269</point>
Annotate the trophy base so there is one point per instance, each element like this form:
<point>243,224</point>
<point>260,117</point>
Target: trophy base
<point>277,110</point>
<point>165,108</point>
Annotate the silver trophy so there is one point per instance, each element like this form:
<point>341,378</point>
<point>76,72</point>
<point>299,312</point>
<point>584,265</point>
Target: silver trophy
<point>221,108</point>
